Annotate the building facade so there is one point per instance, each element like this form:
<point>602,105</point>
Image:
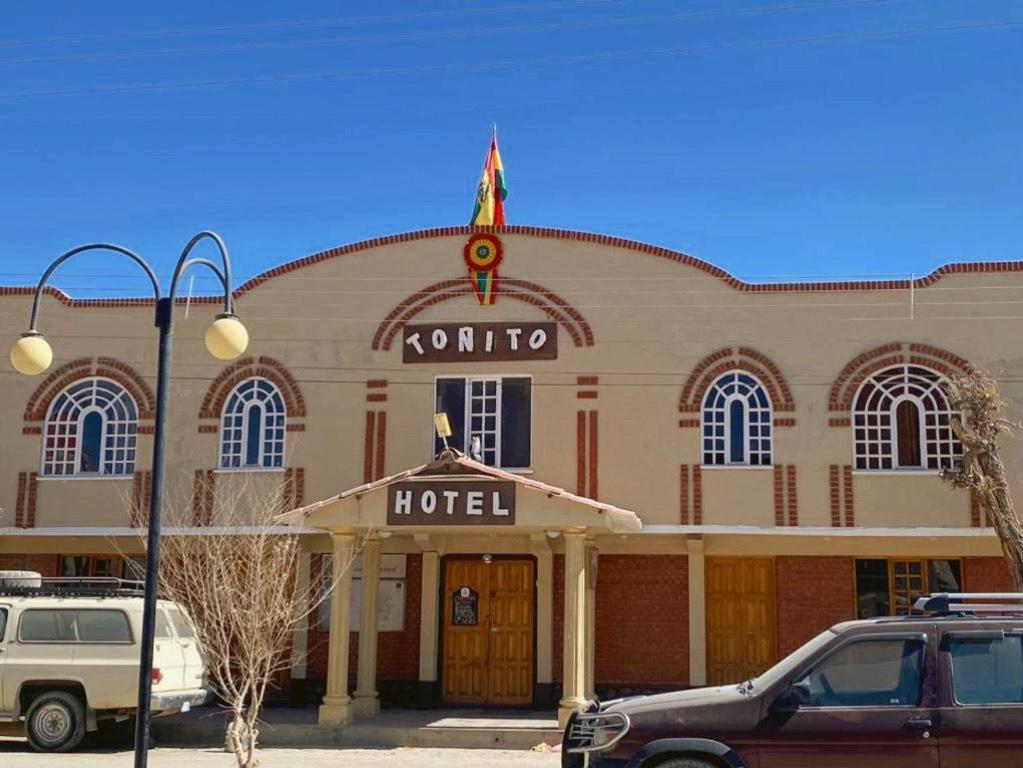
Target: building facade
<point>662,476</point>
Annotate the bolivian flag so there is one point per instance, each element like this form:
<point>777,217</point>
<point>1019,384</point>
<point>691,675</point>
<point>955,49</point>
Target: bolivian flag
<point>491,192</point>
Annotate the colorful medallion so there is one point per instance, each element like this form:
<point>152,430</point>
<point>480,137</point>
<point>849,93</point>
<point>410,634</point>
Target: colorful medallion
<point>482,254</point>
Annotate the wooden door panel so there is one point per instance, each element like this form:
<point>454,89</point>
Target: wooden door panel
<point>465,647</point>
<point>741,618</point>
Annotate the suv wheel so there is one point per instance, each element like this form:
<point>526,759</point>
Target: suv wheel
<point>685,762</point>
<point>55,722</point>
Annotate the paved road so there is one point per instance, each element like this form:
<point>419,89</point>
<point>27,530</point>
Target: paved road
<point>14,754</point>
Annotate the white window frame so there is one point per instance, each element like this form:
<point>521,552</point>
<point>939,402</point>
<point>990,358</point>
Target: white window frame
<point>241,440</point>
<point>47,467</point>
<point>726,422</point>
<point>499,378</point>
<point>891,441</point>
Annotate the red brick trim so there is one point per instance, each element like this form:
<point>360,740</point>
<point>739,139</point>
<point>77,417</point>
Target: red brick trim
<point>835,495</point>
<point>976,514</point>
<point>376,383</point>
<point>580,452</point>
<point>83,368</point>
<point>19,509</point>
<point>843,389</point>
<point>141,488</point>
<point>779,496</point>
<point>31,430</point>
<point>729,359</point>
<point>367,457</point>
<point>293,493</point>
<point>549,234</point>
<point>689,423</point>
<point>555,307</point>
<point>374,397</point>
<point>697,496</point>
<point>850,515</point>
<point>203,495</point>
<point>586,381</point>
<point>381,437</point>
<point>792,499</point>
<point>683,494</point>
<point>210,428</point>
<point>593,456</point>
<point>840,421</point>
<point>784,422</point>
<point>146,429</point>
<point>291,426</point>
<point>235,374</point>
<point>586,394</point>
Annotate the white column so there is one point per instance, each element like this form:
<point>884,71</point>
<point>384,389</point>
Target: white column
<point>336,708</point>
<point>367,702</point>
<point>697,613</point>
<point>428,618</point>
<point>573,693</point>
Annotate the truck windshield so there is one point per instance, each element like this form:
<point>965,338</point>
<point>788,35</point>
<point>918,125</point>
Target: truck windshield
<point>790,663</point>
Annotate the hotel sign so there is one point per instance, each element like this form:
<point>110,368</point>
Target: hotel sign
<point>451,503</point>
<point>478,342</point>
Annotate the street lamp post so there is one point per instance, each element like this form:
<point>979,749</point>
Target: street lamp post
<point>225,339</point>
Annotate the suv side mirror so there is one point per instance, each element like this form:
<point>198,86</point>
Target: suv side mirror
<point>796,695</point>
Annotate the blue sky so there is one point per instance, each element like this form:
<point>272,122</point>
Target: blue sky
<point>866,153</point>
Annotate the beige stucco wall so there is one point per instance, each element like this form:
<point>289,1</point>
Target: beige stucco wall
<point>653,321</point>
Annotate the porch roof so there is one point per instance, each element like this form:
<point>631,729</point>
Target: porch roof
<point>365,505</point>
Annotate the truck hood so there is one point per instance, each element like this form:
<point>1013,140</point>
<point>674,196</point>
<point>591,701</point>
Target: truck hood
<point>692,708</point>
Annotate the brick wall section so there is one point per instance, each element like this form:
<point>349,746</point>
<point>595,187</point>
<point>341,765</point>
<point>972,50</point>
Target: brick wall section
<point>642,621</point>
<point>812,594</point>
<point>397,652</point>
<point>45,565</point>
<point>25,507</point>
<point>986,574</point>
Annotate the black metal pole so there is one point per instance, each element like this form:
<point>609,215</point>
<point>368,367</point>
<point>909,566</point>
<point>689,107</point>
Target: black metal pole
<point>163,322</point>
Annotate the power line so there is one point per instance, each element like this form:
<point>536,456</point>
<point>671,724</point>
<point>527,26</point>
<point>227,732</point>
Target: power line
<point>440,34</point>
<point>485,65</point>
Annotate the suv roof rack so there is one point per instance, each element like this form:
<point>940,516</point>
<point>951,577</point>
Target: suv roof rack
<point>71,586</point>
<point>964,603</point>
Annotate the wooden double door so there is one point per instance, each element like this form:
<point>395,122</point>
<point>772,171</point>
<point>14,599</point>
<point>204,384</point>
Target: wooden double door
<point>488,633</point>
<point>742,618</point>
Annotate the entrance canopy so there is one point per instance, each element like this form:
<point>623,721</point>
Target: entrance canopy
<point>456,492</point>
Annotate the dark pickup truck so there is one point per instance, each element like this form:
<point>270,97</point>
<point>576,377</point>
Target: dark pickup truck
<point>942,687</point>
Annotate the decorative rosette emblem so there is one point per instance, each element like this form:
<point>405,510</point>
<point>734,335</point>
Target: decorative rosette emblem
<point>482,254</point>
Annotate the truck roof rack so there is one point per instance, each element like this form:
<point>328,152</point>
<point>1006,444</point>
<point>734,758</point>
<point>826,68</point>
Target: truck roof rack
<point>70,586</point>
<point>1000,603</point>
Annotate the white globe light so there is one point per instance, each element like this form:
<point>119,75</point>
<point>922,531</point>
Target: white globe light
<point>31,354</point>
<point>226,338</point>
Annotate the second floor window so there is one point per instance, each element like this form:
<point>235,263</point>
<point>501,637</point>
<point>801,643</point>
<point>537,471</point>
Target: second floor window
<point>490,418</point>
<point>252,427</point>
<point>736,422</point>
<point>90,430</point>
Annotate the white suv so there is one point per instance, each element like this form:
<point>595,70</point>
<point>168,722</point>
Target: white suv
<point>69,657</point>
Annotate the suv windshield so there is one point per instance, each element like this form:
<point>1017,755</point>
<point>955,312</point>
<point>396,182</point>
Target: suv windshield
<point>784,668</point>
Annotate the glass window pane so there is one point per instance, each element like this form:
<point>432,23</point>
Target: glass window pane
<point>945,575</point>
<point>252,432</point>
<point>516,398</point>
<point>3,623</point>
<point>74,565</point>
<point>872,589</point>
<point>988,671</point>
<point>736,432</point>
<point>451,400</point>
<point>92,442</point>
<point>43,626</point>
<point>870,673</point>
<point>102,626</point>
<point>181,625</point>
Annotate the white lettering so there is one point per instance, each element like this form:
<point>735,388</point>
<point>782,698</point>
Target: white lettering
<point>538,338</point>
<point>413,341</point>
<point>513,337</point>
<point>428,502</point>
<point>474,503</point>
<point>490,341</point>
<point>465,338</point>
<point>451,496</point>
<point>439,339</point>
<point>499,511</point>
<point>403,503</point>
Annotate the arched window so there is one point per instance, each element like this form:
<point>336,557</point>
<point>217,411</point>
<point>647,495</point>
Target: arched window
<point>901,421</point>
<point>252,426</point>
<point>90,430</point>
<point>736,421</point>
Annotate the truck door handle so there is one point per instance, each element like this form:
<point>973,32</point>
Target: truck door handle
<point>922,726</point>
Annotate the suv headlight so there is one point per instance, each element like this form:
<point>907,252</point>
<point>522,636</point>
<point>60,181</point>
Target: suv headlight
<point>595,732</point>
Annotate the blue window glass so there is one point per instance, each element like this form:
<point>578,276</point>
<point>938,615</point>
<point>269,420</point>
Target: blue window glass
<point>736,431</point>
<point>255,426</point>
<point>92,442</point>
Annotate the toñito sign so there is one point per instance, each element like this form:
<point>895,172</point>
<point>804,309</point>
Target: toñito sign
<point>451,503</point>
<point>467,342</point>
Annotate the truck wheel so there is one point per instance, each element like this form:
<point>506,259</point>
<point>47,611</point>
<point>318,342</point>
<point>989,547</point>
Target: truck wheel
<point>55,722</point>
<point>686,762</point>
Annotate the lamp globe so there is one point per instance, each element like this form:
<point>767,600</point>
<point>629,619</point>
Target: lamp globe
<point>227,338</point>
<point>31,354</point>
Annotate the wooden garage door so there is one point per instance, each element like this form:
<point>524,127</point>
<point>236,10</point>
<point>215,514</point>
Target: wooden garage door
<point>741,618</point>
<point>488,631</point>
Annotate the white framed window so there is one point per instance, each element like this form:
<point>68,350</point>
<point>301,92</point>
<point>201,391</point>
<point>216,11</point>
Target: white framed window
<point>736,422</point>
<point>901,421</point>
<point>490,417</point>
<point>90,431</point>
<point>252,426</point>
